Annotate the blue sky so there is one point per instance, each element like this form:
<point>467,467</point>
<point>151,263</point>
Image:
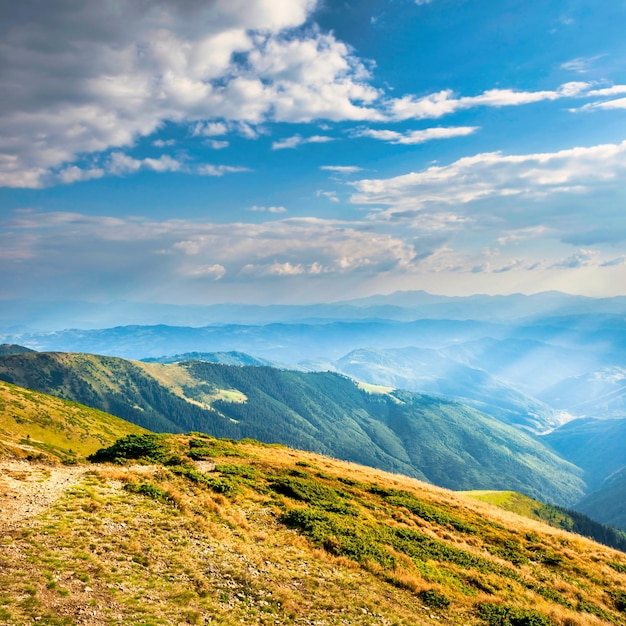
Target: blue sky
<point>277,151</point>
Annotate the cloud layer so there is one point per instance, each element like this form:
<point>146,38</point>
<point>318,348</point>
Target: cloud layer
<point>83,79</point>
<point>86,78</point>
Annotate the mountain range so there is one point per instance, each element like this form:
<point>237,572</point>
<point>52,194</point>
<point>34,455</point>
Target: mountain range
<point>438,440</point>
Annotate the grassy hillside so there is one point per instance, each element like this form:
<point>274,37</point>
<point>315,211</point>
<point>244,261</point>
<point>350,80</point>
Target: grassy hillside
<point>33,424</point>
<point>12,348</point>
<point>444,442</point>
<point>212,531</point>
<point>558,516</point>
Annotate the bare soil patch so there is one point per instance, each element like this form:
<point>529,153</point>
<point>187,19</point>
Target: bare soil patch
<point>28,489</point>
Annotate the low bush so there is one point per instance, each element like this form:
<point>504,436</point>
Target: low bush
<point>504,615</point>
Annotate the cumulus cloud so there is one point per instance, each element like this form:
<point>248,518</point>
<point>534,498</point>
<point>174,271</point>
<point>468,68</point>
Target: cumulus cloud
<point>120,164</point>
<point>298,140</point>
<point>581,258</point>
<point>413,137</point>
<point>213,272</point>
<point>210,129</point>
<point>87,78</point>
<point>217,145</point>
<point>162,143</point>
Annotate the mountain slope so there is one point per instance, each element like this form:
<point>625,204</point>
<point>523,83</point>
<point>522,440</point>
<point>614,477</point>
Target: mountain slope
<point>35,424</point>
<point>554,515</point>
<point>444,442</point>
<point>430,372</point>
<point>225,358</point>
<point>597,446</point>
<point>12,348</point>
<point>608,503</point>
<point>217,532</point>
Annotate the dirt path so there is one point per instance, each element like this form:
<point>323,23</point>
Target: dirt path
<point>28,489</point>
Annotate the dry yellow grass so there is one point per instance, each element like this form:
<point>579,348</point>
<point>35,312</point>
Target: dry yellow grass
<point>35,424</point>
<point>159,544</point>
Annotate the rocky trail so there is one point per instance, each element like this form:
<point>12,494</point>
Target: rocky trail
<point>28,489</point>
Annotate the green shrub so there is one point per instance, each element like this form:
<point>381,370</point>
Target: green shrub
<point>427,512</point>
<point>619,600</point>
<point>243,471</point>
<point>314,493</point>
<point>222,486</point>
<point>133,447</point>
<point>146,489</point>
<point>584,606</point>
<point>504,615</point>
<point>618,567</point>
<point>434,599</point>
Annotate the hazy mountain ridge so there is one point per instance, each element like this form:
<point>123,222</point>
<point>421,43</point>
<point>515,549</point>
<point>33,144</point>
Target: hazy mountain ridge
<point>431,372</point>
<point>446,442</point>
<point>30,315</point>
<point>597,446</point>
<point>599,393</point>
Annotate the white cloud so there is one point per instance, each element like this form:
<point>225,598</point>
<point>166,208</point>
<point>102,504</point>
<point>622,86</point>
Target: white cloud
<point>581,258</point>
<point>219,170</point>
<point>217,145</point>
<point>580,65</point>
<point>121,164</point>
<point>268,209</point>
<point>73,174</point>
<point>329,195</point>
<point>496,175</point>
<point>342,169</point>
<point>436,105</point>
<point>209,129</point>
<point>160,143</point>
<point>416,136</point>
<point>615,90</point>
<point>213,272</point>
<point>135,66</point>
<point>607,105</point>
<point>298,140</point>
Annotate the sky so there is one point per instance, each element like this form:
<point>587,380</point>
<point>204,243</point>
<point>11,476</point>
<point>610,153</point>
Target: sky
<point>298,151</point>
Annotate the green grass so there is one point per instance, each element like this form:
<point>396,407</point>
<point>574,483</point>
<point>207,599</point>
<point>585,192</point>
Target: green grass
<point>35,424</point>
